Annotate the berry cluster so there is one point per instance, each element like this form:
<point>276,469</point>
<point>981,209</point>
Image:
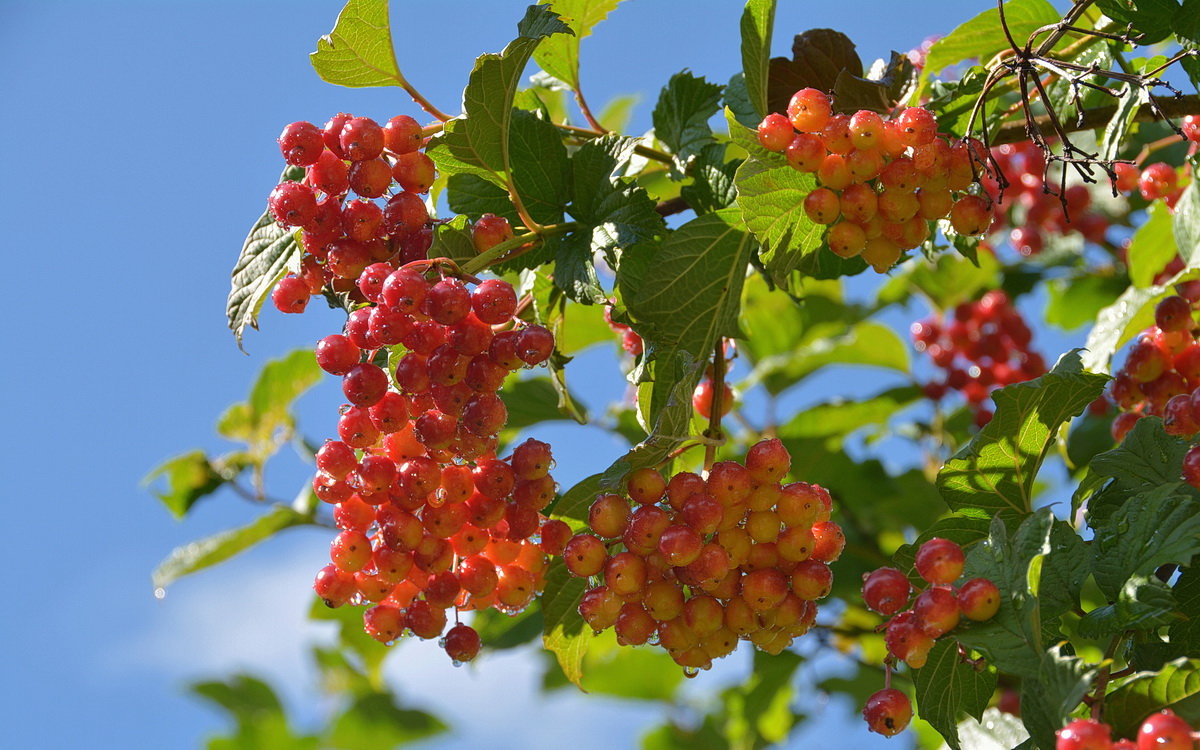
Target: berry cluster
<point>1162,370</point>
<point>910,633</point>
<point>1161,731</point>
<point>983,347</point>
<point>1031,210</point>
<point>342,236</point>
<point>882,181</point>
<point>430,518</point>
<point>631,342</point>
<point>694,565</point>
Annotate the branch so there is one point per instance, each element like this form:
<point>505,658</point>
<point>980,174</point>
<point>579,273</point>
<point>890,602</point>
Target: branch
<point>1094,118</point>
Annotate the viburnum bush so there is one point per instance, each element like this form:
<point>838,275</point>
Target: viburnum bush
<point>999,527</point>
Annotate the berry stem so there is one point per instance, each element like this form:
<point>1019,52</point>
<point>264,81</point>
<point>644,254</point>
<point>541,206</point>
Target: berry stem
<point>494,254</point>
<point>1097,703</point>
<point>419,98</point>
<point>587,112</point>
<point>646,151</point>
<point>714,417</point>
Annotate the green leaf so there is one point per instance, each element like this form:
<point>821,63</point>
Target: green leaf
<point>1176,687</point>
<point>867,344</point>
<point>982,36</point>
<point>840,417</point>
<point>565,633</point>
<point>1145,603</point>
<point>684,294</point>
<point>453,239</point>
<point>1074,302</point>
<point>260,722</point>
<point>771,195</point>
<point>1186,225</point>
<point>1185,632</point>
<point>500,631</point>
<point>618,112</point>
<point>758,713</point>
<point>217,548</point>
<point>1152,20</point>
<point>540,168</point>
<point>1116,324</point>
<point>351,635</point>
<point>1147,459</point>
<point>630,673</point>
<point>1118,125</point>
<point>1061,683</point>
<point>267,253</point>
<point>996,470</point>
<point>531,401</point>
<point>1152,246</point>
<point>757,28</point>
<point>1149,530</point>
<point>559,55</point>
<point>948,687</point>
<point>681,115</point>
<point>479,142</point>
<point>474,196</point>
<point>190,477</point>
<point>358,52</point>
<point>945,282</point>
<point>712,187</point>
<point>375,722</point>
<point>279,384</point>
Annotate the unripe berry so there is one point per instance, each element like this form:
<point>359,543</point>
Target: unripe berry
<point>866,130</point>
<point>888,712</point>
<point>585,555</point>
<point>812,580</point>
<point>970,215</point>
<point>384,622</point>
<point>805,152</point>
<point>608,515</point>
<point>846,239</point>
<point>645,486</point>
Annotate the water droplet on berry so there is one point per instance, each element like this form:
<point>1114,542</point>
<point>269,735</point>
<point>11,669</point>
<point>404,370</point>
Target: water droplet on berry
<point>441,642</point>
<point>690,672</point>
<point>456,662</point>
<point>160,593</point>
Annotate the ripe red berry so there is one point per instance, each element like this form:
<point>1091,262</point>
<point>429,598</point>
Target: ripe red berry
<point>940,561</point>
<point>364,384</point>
<point>1164,731</point>
<point>414,172</point>
<point>292,204</point>
<point>917,126</point>
<point>301,143</point>
<point>290,295</point>
<point>809,110</point>
<point>888,712</point>
<point>402,134</point>
<point>1084,734</point>
<point>1157,180</point>
<point>490,230</point>
<point>361,139</point>
<point>775,132</point>
<point>534,344</point>
<point>1174,313</point>
<point>1191,466</point>
<point>704,395</point>
<point>886,591</point>
<point>334,586</point>
<point>462,643</point>
<point>936,611</point>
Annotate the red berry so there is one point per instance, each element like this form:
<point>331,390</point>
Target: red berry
<point>979,599</point>
<point>775,132</point>
<point>917,126</point>
<point>1084,734</point>
<point>1191,466</point>
<point>888,712</point>
<point>1174,313</point>
<point>402,134</point>
<point>462,643</point>
<point>534,344</point>
<point>301,143</point>
<point>290,295</point>
<point>361,139</point>
<point>1157,180</point>
<point>334,586</point>
<point>494,301</point>
<point>886,591</point>
<point>414,172</point>
<point>292,204</point>
<point>940,561</point>
<point>936,611</point>
<point>364,384</point>
<point>703,397</point>
<point>809,110</point>
<point>490,230</point>
<point>1164,731</point>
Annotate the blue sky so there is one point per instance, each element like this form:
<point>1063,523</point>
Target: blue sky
<point>139,147</point>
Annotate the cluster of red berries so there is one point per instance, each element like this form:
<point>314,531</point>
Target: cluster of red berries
<point>984,346</point>
<point>1030,210</point>
<point>431,519</point>
<point>1161,731</point>
<point>911,632</point>
<point>694,565</point>
<point>340,236</point>
<point>882,181</point>
<point>631,342</point>
<point>1162,370</point>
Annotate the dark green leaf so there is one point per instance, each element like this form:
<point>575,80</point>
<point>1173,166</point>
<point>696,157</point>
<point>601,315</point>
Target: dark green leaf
<point>453,239</point>
<point>982,36</point>
<point>220,547</point>
<point>473,196</point>
<point>948,687</point>
<point>712,185</point>
<point>1144,603</point>
<point>997,469</point>
<point>1185,632</point>
<point>530,401</point>
<point>1186,225</point>
<point>1152,20</point>
<point>757,28</point>
<point>881,91</point>
<point>1176,687</point>
<point>190,477</point>
<point>267,253</point>
<point>358,52</point>
<point>375,722</point>
<point>1147,459</point>
<point>540,169</point>
<point>681,115</point>
<point>1061,683</point>
<point>1149,530</point>
<point>818,58</point>
<point>575,269</point>
<point>559,55</point>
